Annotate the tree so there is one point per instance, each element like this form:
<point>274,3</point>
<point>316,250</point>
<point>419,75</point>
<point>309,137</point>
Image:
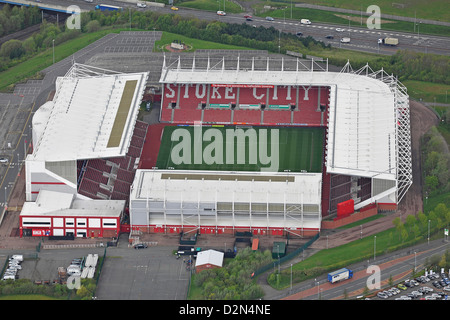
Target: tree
<point>12,49</point>
<point>93,26</point>
<point>431,183</point>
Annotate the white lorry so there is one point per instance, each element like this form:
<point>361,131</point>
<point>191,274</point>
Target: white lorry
<point>305,21</point>
<point>388,41</point>
<point>345,40</point>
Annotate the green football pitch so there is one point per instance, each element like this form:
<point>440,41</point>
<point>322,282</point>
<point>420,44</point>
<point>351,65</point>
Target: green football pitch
<point>234,148</point>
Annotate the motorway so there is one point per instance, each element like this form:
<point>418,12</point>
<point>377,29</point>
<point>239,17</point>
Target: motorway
<point>362,38</point>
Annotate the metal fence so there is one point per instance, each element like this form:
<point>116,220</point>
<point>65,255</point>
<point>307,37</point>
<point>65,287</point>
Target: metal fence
<point>287,257</point>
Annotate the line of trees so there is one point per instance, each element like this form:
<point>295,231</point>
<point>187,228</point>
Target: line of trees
<point>436,163</point>
<point>16,18</point>
<point>418,225</point>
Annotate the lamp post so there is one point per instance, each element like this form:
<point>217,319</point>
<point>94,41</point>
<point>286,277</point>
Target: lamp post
<point>415,261</point>
<point>428,232</point>
<point>374,246</point>
<point>53,45</point>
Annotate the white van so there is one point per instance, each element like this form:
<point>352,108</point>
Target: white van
<point>221,13</point>
<point>17,257</point>
<point>305,21</point>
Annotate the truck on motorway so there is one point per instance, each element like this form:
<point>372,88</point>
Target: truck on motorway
<point>339,275</point>
<point>305,21</point>
<point>345,40</point>
<point>106,7</point>
<point>388,41</point>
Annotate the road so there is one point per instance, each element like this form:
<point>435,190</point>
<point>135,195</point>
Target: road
<point>397,265</point>
<point>362,38</point>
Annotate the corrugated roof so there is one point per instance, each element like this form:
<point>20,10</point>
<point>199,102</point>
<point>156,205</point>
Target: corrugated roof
<point>78,122</point>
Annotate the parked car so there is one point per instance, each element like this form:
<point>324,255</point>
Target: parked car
<point>382,295</point>
<point>402,286</point>
<point>446,288</point>
<point>3,160</point>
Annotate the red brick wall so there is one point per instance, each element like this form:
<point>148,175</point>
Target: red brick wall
<point>350,219</point>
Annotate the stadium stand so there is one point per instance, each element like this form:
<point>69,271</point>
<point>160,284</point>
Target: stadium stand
<point>111,178</point>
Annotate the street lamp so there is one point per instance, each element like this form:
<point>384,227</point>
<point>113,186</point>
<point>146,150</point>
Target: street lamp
<point>374,246</point>
<point>429,232</point>
<point>415,261</point>
<point>291,276</point>
<point>53,45</point>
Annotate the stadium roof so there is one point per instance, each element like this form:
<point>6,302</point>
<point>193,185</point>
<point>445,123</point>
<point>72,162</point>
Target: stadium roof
<point>224,186</point>
<point>368,114</point>
<point>92,115</point>
<point>65,204</point>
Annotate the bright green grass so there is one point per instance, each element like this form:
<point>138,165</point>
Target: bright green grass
<point>298,149</point>
<point>432,10</point>
<point>428,91</point>
<point>212,5</point>
<point>193,44</point>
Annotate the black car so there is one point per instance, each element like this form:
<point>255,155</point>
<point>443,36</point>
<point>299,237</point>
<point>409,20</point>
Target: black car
<point>140,246</point>
<point>299,34</point>
<point>249,19</point>
<point>329,36</point>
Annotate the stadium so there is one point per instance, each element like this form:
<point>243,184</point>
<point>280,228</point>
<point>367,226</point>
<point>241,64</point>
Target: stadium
<point>268,146</point>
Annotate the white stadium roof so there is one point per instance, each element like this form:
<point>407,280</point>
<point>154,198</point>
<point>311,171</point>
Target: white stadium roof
<point>368,114</point>
<point>92,115</point>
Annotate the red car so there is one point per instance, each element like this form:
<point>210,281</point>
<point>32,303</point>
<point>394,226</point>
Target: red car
<point>247,16</point>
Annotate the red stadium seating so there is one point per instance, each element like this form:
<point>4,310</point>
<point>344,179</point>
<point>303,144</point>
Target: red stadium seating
<point>96,172</point>
<point>277,101</point>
